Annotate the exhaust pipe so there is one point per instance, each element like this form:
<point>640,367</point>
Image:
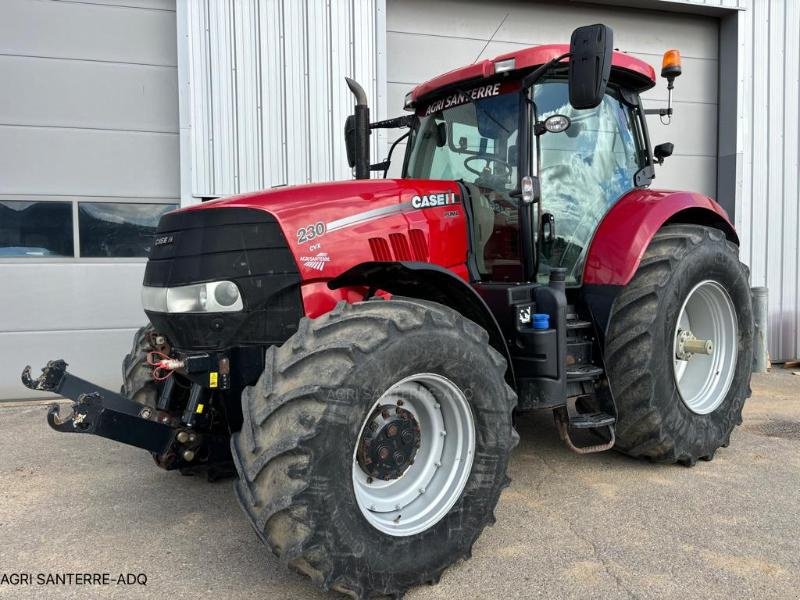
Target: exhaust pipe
<point>360,130</point>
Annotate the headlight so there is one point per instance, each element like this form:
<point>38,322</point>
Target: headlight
<point>212,297</point>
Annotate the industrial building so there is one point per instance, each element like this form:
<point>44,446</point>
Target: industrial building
<point>116,111</point>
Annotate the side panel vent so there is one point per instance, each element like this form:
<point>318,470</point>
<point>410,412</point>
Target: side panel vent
<point>400,246</point>
<point>418,245</point>
<point>380,249</point>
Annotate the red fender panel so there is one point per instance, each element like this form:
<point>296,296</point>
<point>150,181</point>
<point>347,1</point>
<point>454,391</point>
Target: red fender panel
<point>626,230</point>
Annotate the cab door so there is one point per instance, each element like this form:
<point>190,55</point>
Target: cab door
<point>583,171</point>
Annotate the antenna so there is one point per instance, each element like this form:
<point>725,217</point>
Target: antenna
<point>489,41</point>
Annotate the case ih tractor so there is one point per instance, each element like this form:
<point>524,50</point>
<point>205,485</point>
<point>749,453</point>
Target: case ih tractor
<point>358,349</point>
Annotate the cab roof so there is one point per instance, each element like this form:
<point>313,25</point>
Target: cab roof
<point>631,72</point>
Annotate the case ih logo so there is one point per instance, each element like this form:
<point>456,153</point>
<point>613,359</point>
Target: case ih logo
<point>164,240</point>
<point>442,199</point>
<point>316,262</point>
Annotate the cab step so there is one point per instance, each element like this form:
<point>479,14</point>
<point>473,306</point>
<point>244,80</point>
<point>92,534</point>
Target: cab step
<point>575,324</point>
<point>568,417</point>
<point>584,372</point>
<point>593,420</point>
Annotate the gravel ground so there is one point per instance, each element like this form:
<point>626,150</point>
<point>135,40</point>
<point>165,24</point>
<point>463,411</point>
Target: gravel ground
<point>602,526</point>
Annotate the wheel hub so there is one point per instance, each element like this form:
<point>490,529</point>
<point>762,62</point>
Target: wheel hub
<point>389,443</point>
<point>687,345</point>
<point>413,454</point>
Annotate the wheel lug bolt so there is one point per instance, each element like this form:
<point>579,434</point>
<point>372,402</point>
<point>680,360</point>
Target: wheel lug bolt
<point>391,431</point>
<point>399,403</point>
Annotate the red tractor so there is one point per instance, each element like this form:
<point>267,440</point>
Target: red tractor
<point>358,349</point>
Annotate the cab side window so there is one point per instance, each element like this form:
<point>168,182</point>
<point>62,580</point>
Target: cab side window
<point>583,171</point>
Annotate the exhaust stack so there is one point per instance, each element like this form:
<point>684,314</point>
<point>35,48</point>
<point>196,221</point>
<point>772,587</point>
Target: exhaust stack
<point>357,131</point>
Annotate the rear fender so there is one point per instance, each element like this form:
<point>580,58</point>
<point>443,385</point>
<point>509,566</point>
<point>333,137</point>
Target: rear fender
<point>425,281</point>
<point>625,232</point>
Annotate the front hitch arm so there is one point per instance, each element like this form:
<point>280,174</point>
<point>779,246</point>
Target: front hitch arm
<point>96,410</point>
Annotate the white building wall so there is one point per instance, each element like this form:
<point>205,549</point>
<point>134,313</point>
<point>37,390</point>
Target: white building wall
<point>266,97</point>
<point>88,112</point>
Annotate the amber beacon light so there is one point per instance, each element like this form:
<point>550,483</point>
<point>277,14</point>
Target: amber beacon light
<point>671,65</point>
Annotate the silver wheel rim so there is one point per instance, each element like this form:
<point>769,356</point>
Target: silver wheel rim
<point>703,380</point>
<point>425,492</point>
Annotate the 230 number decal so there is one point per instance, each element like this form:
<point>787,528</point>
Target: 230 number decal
<point>309,232</point>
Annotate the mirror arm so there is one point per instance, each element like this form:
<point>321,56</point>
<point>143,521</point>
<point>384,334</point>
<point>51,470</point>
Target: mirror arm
<point>662,112</point>
<point>396,123</point>
<point>533,77</point>
<point>384,166</point>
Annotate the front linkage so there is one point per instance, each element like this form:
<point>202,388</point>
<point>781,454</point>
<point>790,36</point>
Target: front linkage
<point>174,442</point>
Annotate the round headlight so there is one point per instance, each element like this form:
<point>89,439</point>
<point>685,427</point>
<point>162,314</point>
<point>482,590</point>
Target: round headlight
<point>226,293</point>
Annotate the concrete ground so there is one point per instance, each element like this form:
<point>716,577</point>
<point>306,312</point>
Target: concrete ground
<point>601,526</point>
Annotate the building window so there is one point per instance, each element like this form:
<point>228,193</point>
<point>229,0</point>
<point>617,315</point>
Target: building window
<point>34,229</point>
<point>115,229</point>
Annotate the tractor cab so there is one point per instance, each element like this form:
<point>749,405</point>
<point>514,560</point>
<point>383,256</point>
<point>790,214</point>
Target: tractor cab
<point>579,160</point>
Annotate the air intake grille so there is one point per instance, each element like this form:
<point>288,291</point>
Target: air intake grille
<point>380,249</point>
<point>400,248</point>
<point>419,245</point>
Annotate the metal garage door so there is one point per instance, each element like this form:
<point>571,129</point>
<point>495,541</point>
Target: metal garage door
<point>425,38</point>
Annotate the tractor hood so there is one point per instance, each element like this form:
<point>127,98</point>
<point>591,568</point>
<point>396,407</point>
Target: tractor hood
<point>331,227</point>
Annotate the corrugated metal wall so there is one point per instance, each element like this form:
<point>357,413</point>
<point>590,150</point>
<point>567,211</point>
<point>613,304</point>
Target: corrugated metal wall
<point>769,138</point>
<point>267,98</point>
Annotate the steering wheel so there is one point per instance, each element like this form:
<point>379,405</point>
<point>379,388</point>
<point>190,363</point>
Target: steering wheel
<point>487,159</point>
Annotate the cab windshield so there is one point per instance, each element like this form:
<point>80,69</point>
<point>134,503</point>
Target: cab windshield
<point>474,141</point>
<point>471,136</point>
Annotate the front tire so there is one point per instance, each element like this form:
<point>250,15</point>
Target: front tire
<point>137,376</point>
<point>671,409</point>
<point>303,433</point>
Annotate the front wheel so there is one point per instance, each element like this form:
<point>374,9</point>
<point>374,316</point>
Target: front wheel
<point>374,446</point>
<point>679,347</point>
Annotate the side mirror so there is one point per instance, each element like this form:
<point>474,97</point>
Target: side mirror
<point>350,140</point>
<point>589,65</point>
<point>662,151</point>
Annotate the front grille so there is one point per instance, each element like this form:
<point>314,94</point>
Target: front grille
<point>243,245</point>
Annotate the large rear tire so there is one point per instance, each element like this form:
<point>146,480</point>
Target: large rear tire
<point>672,409</point>
<point>302,445</point>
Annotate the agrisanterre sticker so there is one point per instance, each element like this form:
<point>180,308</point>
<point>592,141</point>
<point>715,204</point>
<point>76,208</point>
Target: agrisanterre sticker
<point>72,579</point>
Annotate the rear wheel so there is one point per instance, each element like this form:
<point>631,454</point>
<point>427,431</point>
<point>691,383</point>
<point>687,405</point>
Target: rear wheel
<point>374,446</point>
<point>679,347</point>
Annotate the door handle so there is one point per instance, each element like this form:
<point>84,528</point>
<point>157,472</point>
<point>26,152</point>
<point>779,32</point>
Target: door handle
<point>548,228</point>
